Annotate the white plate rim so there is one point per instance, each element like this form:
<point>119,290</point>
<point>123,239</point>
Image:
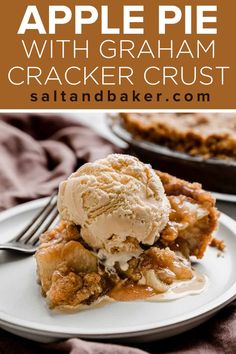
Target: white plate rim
<point>57,331</point>
<point>224,197</point>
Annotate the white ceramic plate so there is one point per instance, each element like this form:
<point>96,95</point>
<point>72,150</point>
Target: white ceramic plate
<point>225,197</point>
<point>23,311</point>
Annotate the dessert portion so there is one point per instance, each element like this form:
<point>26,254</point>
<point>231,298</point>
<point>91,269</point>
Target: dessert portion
<point>126,233</point>
<point>119,203</point>
<point>193,217</point>
<point>204,134</point>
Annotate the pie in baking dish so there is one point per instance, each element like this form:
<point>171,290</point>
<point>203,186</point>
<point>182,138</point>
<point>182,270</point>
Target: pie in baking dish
<point>203,134</point>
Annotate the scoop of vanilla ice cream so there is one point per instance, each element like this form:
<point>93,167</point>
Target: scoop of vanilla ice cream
<point>113,199</point>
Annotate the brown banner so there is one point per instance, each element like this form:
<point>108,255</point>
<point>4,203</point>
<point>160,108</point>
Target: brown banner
<point>118,54</point>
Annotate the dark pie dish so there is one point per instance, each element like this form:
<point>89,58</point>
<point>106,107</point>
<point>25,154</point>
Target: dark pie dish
<point>215,174</point>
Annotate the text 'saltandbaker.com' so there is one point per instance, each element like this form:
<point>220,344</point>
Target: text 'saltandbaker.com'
<point>126,55</point>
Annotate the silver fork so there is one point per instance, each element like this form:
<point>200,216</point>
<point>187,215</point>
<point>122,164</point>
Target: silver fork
<point>27,240</point>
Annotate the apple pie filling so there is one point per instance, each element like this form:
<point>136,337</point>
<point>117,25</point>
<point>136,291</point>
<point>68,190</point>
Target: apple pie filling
<point>73,274</point>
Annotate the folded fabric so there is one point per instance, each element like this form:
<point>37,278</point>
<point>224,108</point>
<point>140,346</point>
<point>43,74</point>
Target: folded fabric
<point>10,344</point>
<point>37,152</point>
<point>77,346</point>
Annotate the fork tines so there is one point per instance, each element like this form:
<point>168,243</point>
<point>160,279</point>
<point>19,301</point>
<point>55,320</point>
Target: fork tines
<point>41,223</point>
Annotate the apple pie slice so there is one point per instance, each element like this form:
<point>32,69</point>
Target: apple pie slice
<point>74,275</point>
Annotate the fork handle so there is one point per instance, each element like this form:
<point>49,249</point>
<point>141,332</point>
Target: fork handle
<point>18,248</point>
